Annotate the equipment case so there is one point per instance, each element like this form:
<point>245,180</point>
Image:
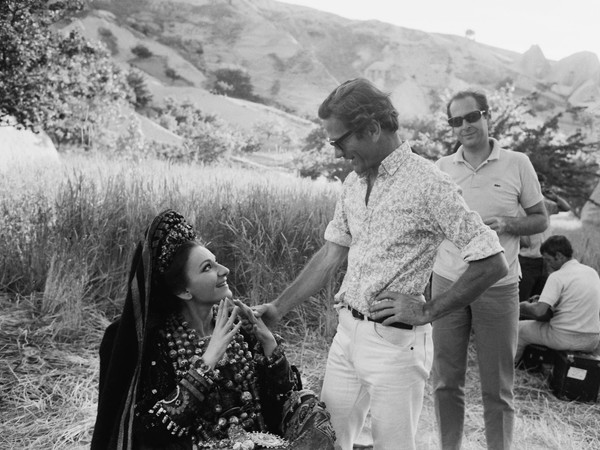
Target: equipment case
<point>576,376</point>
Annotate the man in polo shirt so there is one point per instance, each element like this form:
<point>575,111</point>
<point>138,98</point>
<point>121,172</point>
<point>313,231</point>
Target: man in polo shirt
<point>566,316</point>
<point>393,212</point>
<point>496,183</point>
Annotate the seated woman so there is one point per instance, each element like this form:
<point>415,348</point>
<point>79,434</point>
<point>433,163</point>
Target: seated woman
<point>186,367</point>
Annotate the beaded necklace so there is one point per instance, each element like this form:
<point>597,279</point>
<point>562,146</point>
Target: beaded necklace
<point>233,396</point>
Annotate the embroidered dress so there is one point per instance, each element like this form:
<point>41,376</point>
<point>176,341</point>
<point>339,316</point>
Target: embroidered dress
<point>208,405</point>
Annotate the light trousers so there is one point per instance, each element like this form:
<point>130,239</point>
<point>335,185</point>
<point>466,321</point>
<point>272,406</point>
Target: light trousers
<point>381,368</point>
<point>542,333</point>
<point>493,317</point>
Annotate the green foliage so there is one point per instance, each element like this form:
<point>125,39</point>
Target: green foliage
<point>234,82</point>
<point>109,39</point>
<point>207,138</point>
<point>141,51</point>
<point>172,74</point>
<point>137,83</point>
<point>60,83</point>
<point>273,135</point>
<point>318,158</point>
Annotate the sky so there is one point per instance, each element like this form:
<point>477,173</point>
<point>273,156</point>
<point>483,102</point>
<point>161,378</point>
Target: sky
<point>559,27</point>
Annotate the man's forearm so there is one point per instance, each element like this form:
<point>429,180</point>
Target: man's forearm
<point>526,226</point>
<point>478,277</point>
<point>535,311</point>
<point>315,275</point>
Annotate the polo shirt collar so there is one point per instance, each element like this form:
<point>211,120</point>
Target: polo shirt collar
<point>459,156</point>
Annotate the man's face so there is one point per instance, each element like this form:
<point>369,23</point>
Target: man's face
<point>358,151</point>
<point>555,262</point>
<point>472,135</point>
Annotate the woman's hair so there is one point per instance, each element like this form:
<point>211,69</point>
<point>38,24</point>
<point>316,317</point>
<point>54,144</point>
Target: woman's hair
<point>174,278</point>
<point>557,244</point>
<point>357,103</point>
<point>172,281</point>
<point>479,97</point>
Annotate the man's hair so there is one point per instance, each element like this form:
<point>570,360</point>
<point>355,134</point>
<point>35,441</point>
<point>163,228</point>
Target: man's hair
<point>479,97</point>
<point>557,244</point>
<point>357,103</point>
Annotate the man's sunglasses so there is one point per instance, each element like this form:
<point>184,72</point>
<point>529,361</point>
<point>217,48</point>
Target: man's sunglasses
<point>337,143</point>
<point>472,117</point>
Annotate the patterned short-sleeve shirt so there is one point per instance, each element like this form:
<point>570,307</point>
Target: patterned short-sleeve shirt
<point>393,239</point>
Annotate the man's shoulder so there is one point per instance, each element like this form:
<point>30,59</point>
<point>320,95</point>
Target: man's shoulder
<point>514,156</point>
<point>578,266</point>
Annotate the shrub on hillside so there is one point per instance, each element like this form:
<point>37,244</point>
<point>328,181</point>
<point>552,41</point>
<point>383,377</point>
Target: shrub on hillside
<point>109,39</point>
<point>207,137</point>
<point>137,83</point>
<point>141,51</point>
<point>234,82</point>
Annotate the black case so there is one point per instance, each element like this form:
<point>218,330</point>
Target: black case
<point>535,356</point>
<point>576,376</point>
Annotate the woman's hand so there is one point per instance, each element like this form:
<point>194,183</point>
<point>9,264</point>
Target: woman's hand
<point>258,326</point>
<point>225,328</point>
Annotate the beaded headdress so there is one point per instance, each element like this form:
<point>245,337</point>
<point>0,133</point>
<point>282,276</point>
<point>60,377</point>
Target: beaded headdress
<point>169,235</point>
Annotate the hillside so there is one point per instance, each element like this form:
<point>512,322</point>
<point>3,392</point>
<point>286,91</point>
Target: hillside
<point>296,55</point>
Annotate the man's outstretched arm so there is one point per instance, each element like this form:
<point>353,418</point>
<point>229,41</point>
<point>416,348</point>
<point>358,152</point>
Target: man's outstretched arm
<point>315,275</point>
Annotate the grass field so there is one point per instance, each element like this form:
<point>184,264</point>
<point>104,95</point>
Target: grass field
<point>64,252</point>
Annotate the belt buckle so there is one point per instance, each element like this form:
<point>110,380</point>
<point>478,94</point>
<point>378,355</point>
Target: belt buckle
<point>356,314</point>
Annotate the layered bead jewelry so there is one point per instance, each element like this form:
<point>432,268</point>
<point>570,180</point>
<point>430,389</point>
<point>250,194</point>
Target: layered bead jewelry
<point>231,388</point>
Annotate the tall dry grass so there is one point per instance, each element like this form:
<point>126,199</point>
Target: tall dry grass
<point>68,234</point>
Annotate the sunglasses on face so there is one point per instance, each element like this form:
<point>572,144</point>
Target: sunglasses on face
<point>472,117</point>
<point>337,143</point>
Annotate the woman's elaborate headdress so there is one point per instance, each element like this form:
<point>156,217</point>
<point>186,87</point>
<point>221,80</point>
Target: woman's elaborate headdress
<point>169,234</point>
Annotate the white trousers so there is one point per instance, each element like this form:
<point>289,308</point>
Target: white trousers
<point>381,368</point>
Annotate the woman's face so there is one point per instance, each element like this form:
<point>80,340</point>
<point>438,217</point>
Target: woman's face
<point>206,278</point>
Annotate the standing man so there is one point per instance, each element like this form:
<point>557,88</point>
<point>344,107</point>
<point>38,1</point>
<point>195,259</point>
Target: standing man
<point>496,183</point>
<point>393,212</point>
<point>567,314</point>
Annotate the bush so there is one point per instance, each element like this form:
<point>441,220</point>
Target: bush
<point>141,51</point>
<point>109,39</point>
<point>234,82</point>
<point>207,138</point>
<point>137,83</point>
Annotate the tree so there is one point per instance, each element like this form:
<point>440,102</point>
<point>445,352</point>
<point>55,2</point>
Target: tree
<point>49,80</point>
<point>234,82</point>
<point>137,83</point>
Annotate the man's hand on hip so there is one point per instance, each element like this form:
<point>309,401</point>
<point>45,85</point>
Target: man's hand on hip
<point>396,307</point>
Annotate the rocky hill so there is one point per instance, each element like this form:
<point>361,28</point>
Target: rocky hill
<point>296,55</point>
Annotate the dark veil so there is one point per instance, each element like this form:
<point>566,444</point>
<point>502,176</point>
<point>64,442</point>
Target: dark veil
<point>123,346</point>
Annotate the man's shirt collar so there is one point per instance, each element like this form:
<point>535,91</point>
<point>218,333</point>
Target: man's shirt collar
<point>394,160</point>
<point>459,156</point>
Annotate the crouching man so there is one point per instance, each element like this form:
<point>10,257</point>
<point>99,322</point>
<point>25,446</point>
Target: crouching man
<point>566,316</point>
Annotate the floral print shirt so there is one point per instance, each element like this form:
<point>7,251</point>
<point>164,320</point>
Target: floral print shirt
<point>393,239</point>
